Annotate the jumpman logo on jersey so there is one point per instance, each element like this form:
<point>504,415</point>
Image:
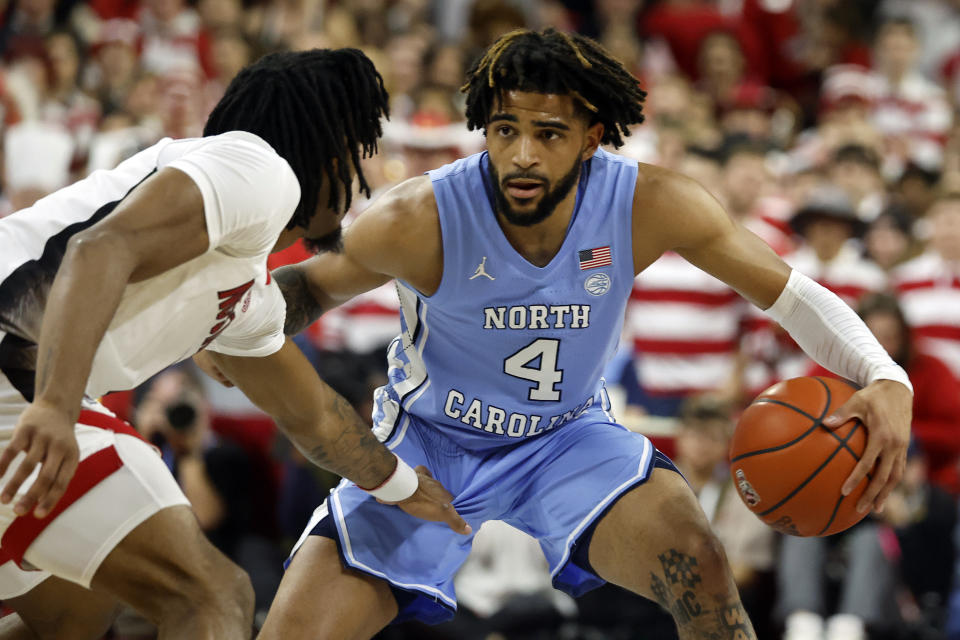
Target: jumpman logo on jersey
<point>481,270</point>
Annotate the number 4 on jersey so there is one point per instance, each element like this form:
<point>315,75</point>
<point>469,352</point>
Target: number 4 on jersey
<point>546,375</point>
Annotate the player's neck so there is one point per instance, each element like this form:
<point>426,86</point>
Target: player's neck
<point>539,243</point>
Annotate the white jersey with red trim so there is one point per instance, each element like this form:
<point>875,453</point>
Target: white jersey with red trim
<point>929,291</point>
<point>222,300</point>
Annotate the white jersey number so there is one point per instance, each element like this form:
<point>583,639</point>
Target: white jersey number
<point>546,374</point>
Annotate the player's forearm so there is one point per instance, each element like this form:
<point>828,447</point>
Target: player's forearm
<point>339,441</point>
<point>320,423</point>
<point>82,302</point>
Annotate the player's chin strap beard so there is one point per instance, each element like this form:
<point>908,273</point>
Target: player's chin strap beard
<point>551,198</point>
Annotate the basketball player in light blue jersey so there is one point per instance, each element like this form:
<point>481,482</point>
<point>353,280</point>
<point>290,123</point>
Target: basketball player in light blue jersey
<point>514,267</point>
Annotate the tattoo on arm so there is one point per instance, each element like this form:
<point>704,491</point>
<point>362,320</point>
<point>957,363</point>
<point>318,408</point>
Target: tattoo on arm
<point>352,450</point>
<point>302,308</point>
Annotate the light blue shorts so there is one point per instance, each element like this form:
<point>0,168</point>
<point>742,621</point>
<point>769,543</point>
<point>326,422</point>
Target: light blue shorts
<point>553,487</point>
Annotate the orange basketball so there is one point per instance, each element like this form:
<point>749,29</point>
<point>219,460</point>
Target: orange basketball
<point>788,468</point>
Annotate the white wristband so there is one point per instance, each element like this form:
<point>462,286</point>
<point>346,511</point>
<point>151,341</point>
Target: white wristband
<point>399,485</point>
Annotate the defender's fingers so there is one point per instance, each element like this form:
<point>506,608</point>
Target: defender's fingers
<point>68,466</point>
<point>44,485</point>
<point>14,447</point>
<point>24,469</point>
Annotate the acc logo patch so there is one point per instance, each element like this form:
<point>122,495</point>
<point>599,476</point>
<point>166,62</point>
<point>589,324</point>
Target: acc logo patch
<point>597,284</point>
<point>749,494</point>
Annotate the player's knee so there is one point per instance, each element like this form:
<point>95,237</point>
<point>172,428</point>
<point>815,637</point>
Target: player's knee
<point>220,590</point>
<point>226,590</point>
<point>706,548</point>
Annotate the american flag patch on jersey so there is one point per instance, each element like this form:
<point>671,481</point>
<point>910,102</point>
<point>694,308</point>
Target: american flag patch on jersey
<point>592,258</point>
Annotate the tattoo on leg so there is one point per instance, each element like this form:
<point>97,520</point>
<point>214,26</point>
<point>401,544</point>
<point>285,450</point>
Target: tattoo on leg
<point>660,591</point>
<point>735,623</point>
<point>698,614</point>
<point>679,569</point>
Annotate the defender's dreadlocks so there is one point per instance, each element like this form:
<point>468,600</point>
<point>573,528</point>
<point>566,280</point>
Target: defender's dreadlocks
<point>312,107</point>
<point>551,61</point>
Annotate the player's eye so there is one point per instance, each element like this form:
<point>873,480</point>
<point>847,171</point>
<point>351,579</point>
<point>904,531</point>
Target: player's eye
<point>550,135</point>
<point>504,130</point>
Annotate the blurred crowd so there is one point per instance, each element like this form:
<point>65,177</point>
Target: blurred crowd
<point>828,127</point>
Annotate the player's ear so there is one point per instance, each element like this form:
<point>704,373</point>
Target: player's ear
<point>593,138</point>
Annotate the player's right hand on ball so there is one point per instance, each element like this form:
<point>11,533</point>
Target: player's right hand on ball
<point>46,436</point>
<point>432,502</point>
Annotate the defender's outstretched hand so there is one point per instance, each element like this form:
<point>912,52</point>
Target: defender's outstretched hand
<point>46,436</point>
<point>432,502</point>
<point>885,407</point>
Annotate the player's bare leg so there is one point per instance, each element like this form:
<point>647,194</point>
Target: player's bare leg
<point>12,627</point>
<point>168,571</point>
<point>320,599</point>
<point>656,542</point>
<point>59,609</point>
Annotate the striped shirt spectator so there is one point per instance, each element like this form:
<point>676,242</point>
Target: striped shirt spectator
<point>929,285</point>
<point>684,326</point>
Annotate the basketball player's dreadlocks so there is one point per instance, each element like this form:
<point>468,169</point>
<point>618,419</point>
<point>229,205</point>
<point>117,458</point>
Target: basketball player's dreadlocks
<point>551,61</point>
<point>312,107</point>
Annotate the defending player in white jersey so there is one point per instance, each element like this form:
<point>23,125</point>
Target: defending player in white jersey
<point>496,383</point>
<point>106,282</point>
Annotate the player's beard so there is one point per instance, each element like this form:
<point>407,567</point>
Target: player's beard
<point>548,202</point>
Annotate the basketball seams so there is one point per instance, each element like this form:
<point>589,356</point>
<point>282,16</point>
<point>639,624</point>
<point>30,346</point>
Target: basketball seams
<point>803,484</point>
<point>806,493</point>
<point>787,405</point>
<point>798,488</point>
<point>843,445</point>
<point>833,515</point>
<point>817,422</point>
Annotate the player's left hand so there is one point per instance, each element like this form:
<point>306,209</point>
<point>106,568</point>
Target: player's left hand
<point>46,435</point>
<point>885,408</point>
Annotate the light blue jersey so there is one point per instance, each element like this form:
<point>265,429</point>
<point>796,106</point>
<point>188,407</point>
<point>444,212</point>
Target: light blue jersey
<point>505,350</point>
<point>495,387</point>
